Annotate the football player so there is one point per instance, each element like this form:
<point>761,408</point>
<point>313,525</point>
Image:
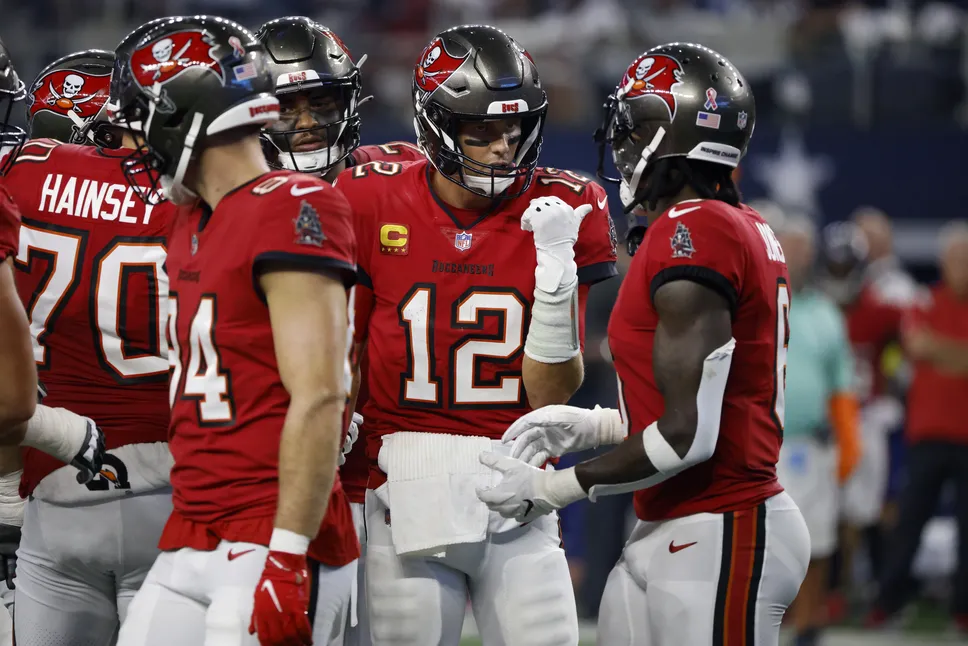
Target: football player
<point>259,263</point>
<point>699,335</point>
<point>318,85</point>
<point>68,95</point>
<point>19,383</point>
<point>474,265</point>
<point>874,304</point>
<point>19,386</point>
<point>92,276</point>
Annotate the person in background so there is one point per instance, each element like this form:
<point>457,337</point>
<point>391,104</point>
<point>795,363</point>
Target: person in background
<point>935,338</point>
<point>883,267</point>
<point>873,311</point>
<point>819,400</point>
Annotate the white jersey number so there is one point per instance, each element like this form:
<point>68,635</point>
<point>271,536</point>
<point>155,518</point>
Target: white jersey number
<point>205,380</point>
<point>782,342</point>
<point>63,250</point>
<point>420,386</point>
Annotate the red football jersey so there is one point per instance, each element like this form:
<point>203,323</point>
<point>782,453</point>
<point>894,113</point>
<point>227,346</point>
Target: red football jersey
<point>445,298</point>
<point>9,224</point>
<point>394,151</point>
<point>355,472</point>
<point>733,251</point>
<point>873,322</point>
<point>92,279</point>
<point>228,401</point>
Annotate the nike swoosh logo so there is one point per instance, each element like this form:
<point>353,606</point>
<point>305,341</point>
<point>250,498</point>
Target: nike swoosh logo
<point>235,555</point>
<point>299,192</point>
<point>529,508</point>
<point>673,548</point>
<point>673,213</point>
<point>268,587</point>
<point>602,202</point>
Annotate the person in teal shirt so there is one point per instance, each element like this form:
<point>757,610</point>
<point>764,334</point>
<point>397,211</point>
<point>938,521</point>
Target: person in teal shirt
<point>820,434</point>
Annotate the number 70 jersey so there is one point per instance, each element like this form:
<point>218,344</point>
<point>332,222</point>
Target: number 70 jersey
<point>734,252</point>
<point>444,297</point>
<point>91,276</point>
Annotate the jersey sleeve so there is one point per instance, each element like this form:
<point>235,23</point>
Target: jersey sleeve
<point>701,246</point>
<point>312,229</point>
<point>9,225</point>
<point>596,248</point>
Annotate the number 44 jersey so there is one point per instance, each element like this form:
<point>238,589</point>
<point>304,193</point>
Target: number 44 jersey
<point>229,404</point>
<point>734,252</point>
<point>444,297</point>
<point>91,276</point>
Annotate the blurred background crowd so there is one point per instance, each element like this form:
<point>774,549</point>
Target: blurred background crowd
<point>862,110</point>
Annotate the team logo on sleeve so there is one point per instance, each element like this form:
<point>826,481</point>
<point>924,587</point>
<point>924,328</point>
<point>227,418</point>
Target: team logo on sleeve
<point>308,229</point>
<point>682,242</point>
<point>164,58</point>
<point>69,92</point>
<point>653,76</point>
<point>436,66</point>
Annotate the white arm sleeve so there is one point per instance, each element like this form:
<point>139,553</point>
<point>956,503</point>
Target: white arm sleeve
<point>709,406</point>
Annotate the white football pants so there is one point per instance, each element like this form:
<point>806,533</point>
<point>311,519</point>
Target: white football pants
<point>79,566</point>
<point>518,583</point>
<point>358,634</point>
<point>196,598</point>
<point>720,579</point>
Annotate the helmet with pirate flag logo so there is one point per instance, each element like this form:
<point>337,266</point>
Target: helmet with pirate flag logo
<point>190,79</point>
<point>478,73</point>
<point>315,77</point>
<point>12,90</point>
<point>67,95</point>
<point>676,101</point>
<point>103,129</point>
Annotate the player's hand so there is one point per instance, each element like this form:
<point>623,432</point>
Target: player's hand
<point>352,434</point>
<point>526,492</point>
<point>280,613</point>
<point>90,458</point>
<point>552,431</point>
<point>555,226</point>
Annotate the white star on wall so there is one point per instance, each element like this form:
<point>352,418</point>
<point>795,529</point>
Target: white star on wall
<point>792,177</point>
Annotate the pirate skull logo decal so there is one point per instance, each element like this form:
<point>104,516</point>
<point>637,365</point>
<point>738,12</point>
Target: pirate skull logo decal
<point>435,66</point>
<point>653,75</point>
<point>69,93</point>
<point>163,59</point>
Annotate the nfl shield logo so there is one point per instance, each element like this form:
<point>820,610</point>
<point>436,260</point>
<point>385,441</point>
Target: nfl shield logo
<point>462,241</point>
<point>194,244</point>
<point>741,120</point>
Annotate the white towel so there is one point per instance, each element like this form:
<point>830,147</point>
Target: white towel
<point>431,485</point>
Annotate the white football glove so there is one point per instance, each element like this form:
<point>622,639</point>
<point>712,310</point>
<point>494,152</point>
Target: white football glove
<point>352,434</point>
<point>525,492</point>
<point>555,226</point>
<point>553,431</point>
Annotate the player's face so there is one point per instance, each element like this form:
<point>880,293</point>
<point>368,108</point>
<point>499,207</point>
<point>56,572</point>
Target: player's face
<point>306,112</point>
<point>954,264</point>
<point>799,251</point>
<point>490,143</point>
